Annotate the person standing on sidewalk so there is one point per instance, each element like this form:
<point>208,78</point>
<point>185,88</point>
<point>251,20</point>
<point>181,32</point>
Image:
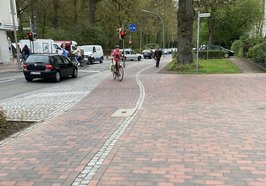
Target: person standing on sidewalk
<point>25,52</point>
<point>157,56</point>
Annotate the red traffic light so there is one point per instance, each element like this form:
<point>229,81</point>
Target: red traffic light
<point>30,36</point>
<point>122,34</point>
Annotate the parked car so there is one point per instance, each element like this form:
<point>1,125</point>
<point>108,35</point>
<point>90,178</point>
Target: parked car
<point>217,47</point>
<point>148,54</point>
<point>167,51</point>
<point>131,55</point>
<point>93,53</point>
<point>48,66</point>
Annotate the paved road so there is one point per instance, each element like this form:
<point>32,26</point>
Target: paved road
<point>172,130</point>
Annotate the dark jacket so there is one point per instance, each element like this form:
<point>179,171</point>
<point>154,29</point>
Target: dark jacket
<point>158,53</point>
<point>26,50</point>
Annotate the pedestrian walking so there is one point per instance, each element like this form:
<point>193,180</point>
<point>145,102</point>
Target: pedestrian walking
<point>157,56</point>
<point>25,52</point>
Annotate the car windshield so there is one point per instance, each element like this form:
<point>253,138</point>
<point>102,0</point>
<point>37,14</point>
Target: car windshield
<point>37,59</point>
<point>87,48</point>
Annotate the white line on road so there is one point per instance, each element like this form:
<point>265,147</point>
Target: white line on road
<point>6,80</point>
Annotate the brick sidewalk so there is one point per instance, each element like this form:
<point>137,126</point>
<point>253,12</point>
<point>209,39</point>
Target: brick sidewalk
<point>191,130</point>
<point>11,67</point>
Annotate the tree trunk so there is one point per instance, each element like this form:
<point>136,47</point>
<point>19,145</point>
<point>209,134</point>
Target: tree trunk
<point>210,31</point>
<point>92,13</point>
<point>55,16</point>
<point>185,31</point>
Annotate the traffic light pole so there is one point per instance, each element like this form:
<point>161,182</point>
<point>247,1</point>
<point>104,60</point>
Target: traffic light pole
<point>124,63</point>
<point>15,33</point>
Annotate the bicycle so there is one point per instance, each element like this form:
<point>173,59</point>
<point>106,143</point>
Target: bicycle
<point>118,71</point>
<point>81,64</point>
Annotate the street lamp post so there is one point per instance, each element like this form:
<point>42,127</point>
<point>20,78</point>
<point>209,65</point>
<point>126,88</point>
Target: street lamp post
<point>13,13</point>
<point>160,19</point>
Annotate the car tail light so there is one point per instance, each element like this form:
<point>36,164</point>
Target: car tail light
<point>25,66</point>
<point>49,67</point>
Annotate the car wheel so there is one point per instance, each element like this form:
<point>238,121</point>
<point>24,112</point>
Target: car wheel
<point>101,60</point>
<point>57,76</point>
<point>29,79</point>
<point>139,58</point>
<point>75,73</point>
<point>226,55</point>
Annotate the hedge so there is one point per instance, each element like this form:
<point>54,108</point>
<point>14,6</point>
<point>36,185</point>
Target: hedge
<point>211,54</point>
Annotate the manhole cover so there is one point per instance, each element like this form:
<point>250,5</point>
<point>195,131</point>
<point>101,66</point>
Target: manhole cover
<point>123,113</point>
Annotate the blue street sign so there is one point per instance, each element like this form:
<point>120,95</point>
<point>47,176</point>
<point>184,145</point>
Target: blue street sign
<point>132,27</point>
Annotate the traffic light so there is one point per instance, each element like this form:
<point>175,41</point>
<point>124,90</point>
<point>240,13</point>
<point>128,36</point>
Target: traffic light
<point>122,34</point>
<point>30,36</point>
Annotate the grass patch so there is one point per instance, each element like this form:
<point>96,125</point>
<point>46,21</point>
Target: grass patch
<point>211,66</point>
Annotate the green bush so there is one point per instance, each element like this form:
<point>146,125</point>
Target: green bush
<point>211,54</point>
<point>242,46</point>
<point>2,117</point>
<point>258,53</point>
<point>237,47</point>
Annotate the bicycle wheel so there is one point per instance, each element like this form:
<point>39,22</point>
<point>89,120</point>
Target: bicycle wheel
<point>114,75</point>
<point>83,64</point>
<point>120,74</point>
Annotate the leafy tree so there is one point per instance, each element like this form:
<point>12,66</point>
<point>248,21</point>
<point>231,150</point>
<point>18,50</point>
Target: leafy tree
<point>229,19</point>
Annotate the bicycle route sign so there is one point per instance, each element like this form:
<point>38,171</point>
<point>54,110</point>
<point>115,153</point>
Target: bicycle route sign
<point>132,27</point>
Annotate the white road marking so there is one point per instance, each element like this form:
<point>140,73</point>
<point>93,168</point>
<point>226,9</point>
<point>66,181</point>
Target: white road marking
<point>6,80</point>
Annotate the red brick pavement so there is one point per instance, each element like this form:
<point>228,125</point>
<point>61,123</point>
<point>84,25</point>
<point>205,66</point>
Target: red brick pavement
<point>191,130</point>
<point>11,67</point>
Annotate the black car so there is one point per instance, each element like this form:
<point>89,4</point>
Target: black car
<point>148,54</point>
<point>217,47</point>
<point>48,66</point>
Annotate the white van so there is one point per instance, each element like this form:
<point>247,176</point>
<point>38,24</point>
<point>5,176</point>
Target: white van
<point>41,46</point>
<point>93,53</point>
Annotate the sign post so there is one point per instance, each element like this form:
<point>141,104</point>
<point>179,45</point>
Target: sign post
<point>199,16</point>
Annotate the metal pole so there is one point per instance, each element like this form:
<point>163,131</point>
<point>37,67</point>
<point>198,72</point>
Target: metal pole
<point>140,35</point>
<point>124,63</point>
<point>15,32</point>
<point>160,19</point>
<point>197,60</point>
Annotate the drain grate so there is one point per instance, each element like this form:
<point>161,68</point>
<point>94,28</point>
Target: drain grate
<point>124,113</point>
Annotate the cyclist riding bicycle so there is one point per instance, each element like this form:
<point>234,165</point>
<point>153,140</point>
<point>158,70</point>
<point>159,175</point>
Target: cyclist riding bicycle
<point>117,55</point>
<point>79,55</point>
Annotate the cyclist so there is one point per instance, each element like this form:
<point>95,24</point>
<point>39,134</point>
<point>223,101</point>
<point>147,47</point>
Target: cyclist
<point>78,55</point>
<point>117,55</point>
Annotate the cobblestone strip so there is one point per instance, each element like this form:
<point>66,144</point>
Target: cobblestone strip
<point>46,103</point>
<point>92,167</point>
